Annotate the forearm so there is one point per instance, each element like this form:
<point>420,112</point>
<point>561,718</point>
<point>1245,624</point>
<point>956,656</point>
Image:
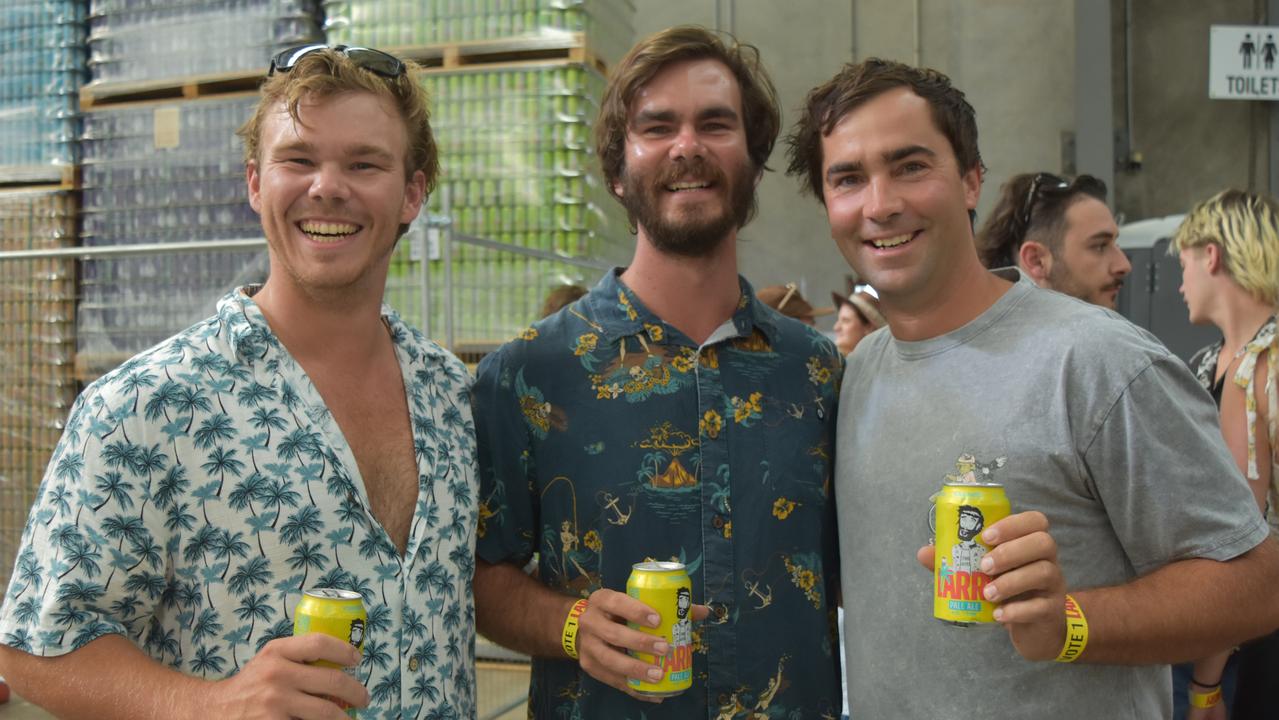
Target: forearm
<point>1208,671</point>
<point>108,678</point>
<point>518,612</point>
<point>1185,611</point>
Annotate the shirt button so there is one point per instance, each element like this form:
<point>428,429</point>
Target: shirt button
<point>413,664</point>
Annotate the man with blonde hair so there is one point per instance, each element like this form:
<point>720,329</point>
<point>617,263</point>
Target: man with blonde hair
<point>1229,251</point>
<point>667,415</point>
<point>302,437</point>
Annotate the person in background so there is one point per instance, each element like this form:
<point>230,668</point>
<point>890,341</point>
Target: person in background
<point>667,415</point>
<point>787,300</point>
<point>1058,232</point>
<point>302,437</point>
<point>985,375</point>
<point>1229,251</point>
<point>559,297</point>
<point>859,316</point>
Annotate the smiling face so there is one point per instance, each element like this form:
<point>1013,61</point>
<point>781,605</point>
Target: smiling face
<point>1089,264</point>
<point>687,181</point>
<point>896,198</point>
<point>332,194</point>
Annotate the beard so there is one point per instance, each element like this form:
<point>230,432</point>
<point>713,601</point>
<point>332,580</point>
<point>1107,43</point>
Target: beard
<point>701,234</point>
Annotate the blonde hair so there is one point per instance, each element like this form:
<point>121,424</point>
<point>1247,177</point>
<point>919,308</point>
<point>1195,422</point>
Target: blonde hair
<point>1246,228</point>
<point>327,73</point>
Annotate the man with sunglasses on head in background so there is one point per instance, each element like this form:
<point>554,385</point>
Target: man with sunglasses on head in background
<point>302,437</point>
<point>1060,234</point>
<point>1087,420</point>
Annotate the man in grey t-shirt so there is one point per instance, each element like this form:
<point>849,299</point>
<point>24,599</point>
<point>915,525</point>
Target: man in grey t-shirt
<point>1086,420</point>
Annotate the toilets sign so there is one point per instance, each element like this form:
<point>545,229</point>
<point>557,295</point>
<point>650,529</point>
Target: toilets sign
<point>1243,62</point>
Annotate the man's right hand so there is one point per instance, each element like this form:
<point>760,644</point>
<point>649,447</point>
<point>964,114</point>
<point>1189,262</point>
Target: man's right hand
<point>278,684</point>
<point>603,640</point>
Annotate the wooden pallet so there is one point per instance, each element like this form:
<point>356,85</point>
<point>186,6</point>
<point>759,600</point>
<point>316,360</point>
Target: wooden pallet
<point>39,177</point>
<point>95,96</point>
<point>445,57</point>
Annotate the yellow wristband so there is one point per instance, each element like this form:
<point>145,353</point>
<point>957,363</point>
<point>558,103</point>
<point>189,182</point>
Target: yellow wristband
<point>569,638</point>
<point>1206,700</point>
<point>1076,632</point>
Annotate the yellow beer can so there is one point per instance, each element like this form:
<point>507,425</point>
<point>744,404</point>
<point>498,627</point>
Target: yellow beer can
<point>665,587</point>
<point>339,613</point>
<point>963,510</point>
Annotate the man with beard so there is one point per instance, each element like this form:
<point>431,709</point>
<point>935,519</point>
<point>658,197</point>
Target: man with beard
<point>1060,233</point>
<point>667,415</point>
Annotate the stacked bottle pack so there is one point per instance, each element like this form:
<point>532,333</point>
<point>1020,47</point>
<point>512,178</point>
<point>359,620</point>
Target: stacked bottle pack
<point>604,25</point>
<point>161,172</point>
<point>37,328</point>
<point>42,52</point>
<point>144,40</point>
<point>517,168</point>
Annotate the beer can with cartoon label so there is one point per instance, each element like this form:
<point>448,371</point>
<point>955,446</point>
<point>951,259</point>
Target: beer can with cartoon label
<point>339,613</point>
<point>665,587</point>
<point>962,511</point>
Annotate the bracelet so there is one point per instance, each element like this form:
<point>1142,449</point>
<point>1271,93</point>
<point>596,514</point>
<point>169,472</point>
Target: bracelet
<point>1076,632</point>
<point>1206,700</point>
<point>1195,680</point>
<point>569,637</point>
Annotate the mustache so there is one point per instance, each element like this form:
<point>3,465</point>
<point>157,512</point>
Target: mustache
<point>696,168</point>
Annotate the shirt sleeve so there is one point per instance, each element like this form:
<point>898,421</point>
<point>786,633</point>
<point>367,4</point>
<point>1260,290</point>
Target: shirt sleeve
<point>91,561</point>
<point>1162,470</point>
<point>508,508</point>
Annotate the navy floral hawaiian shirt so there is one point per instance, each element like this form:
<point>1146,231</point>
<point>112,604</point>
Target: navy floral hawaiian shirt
<point>201,486</point>
<point>608,437</point>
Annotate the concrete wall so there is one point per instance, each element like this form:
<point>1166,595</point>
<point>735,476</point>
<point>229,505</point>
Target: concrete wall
<point>1190,146</point>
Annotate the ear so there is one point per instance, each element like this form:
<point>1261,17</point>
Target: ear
<point>1035,260</point>
<point>972,187</point>
<point>414,197</point>
<point>255,185</point>
<point>1213,262</point>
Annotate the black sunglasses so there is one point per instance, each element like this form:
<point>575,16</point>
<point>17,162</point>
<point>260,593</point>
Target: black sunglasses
<point>1049,185</point>
<point>375,61</point>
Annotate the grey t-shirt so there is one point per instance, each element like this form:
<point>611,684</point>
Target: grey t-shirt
<point>1081,415</point>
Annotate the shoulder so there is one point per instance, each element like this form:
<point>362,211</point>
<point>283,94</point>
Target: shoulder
<point>1084,333</point>
<point>547,343</point>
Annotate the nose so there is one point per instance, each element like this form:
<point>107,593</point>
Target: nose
<point>1123,265</point>
<point>687,144</point>
<point>329,183</point>
<point>882,200</point>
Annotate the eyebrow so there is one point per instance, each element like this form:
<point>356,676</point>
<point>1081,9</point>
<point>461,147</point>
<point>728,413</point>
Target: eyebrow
<point>361,150</point>
<point>722,112</point>
<point>891,156</point>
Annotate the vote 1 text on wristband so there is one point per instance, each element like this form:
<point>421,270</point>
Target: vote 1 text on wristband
<point>1076,632</point>
<point>569,636</point>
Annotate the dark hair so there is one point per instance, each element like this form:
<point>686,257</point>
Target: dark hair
<point>561,296</point>
<point>1000,239</point>
<point>854,85</point>
<point>761,117</point>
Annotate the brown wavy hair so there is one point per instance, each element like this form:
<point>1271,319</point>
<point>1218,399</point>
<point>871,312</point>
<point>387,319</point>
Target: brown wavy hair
<point>1000,239</point>
<point>761,118</point>
<point>856,84</point>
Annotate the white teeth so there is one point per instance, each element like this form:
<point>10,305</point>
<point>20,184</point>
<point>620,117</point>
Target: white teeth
<point>687,186</point>
<point>891,242</point>
<point>327,230</point>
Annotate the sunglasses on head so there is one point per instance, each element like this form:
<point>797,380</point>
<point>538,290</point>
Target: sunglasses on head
<point>375,61</point>
<point>1048,185</point>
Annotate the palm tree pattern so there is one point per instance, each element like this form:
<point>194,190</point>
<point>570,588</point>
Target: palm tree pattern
<point>199,488</point>
<point>608,437</point>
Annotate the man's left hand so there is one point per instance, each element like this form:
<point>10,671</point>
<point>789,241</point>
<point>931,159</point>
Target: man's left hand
<point>1026,582</point>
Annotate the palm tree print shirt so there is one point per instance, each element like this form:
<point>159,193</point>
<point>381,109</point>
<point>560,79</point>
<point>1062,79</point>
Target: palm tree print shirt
<point>201,486</point>
<point>608,437</point>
